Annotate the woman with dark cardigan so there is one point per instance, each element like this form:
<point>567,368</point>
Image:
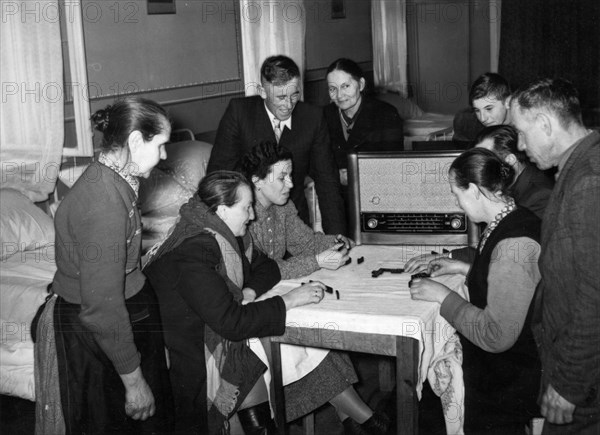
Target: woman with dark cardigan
<point>109,351</point>
<point>500,361</point>
<point>202,273</point>
<point>207,276</point>
<point>355,119</point>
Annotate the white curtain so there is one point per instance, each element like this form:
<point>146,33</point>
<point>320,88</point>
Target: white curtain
<point>388,24</point>
<point>270,28</point>
<point>495,17</point>
<point>32,118</point>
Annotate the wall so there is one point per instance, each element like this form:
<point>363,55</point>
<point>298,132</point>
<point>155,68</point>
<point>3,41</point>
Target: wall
<point>448,47</point>
<point>189,61</point>
<point>480,16</point>
<point>328,39</point>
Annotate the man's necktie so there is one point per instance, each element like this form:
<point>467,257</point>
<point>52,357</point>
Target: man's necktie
<point>277,128</point>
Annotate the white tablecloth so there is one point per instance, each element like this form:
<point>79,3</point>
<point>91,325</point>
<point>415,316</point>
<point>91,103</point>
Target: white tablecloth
<point>379,305</point>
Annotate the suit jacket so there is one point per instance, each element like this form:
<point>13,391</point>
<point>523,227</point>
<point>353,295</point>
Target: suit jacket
<point>246,124</point>
<point>377,122</point>
<point>568,306</point>
<point>532,190</point>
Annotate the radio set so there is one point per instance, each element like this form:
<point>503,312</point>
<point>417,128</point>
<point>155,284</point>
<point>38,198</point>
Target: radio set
<point>403,197</point>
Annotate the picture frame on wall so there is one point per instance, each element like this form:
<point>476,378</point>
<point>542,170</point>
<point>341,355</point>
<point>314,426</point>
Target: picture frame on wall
<point>338,9</point>
<point>161,7</point>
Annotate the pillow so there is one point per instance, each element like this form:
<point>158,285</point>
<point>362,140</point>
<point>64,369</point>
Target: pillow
<point>170,185</point>
<point>23,226</point>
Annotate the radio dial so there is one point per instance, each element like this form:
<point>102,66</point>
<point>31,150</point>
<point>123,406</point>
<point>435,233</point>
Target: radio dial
<point>456,223</point>
<point>372,223</point>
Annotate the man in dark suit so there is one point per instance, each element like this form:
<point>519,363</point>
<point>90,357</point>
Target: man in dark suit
<point>277,114</point>
<point>547,116</point>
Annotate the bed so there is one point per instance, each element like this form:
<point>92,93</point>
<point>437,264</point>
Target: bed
<point>26,268</point>
<point>419,126</point>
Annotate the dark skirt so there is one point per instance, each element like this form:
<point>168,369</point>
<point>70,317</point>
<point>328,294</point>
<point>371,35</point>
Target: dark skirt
<point>91,390</point>
<point>330,378</point>
<point>501,389</point>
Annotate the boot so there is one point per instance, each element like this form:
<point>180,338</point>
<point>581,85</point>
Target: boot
<point>378,424</point>
<point>257,420</point>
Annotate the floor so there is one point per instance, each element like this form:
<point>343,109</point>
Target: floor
<point>431,420</point>
<point>17,416</point>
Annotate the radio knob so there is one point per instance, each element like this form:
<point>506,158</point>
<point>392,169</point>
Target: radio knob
<point>456,222</point>
<point>372,223</point>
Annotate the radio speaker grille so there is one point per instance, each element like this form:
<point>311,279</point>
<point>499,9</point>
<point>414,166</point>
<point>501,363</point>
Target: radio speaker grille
<point>404,197</point>
<point>406,185</point>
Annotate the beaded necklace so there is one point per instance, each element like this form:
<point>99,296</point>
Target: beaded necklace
<point>506,210</point>
<point>130,179</point>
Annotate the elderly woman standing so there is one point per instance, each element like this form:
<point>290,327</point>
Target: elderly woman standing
<point>501,365</point>
<point>110,354</point>
<point>355,119</point>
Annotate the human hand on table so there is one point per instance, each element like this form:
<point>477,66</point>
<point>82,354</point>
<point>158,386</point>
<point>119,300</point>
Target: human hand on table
<point>348,242</point>
<point>421,262</point>
<point>333,258</point>
<point>425,289</point>
<point>446,266</point>
<point>310,293</point>
<point>556,408</point>
<point>139,400</point>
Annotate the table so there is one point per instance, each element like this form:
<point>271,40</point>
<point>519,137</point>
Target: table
<point>373,315</point>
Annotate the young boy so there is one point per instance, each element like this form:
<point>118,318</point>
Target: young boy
<point>489,98</point>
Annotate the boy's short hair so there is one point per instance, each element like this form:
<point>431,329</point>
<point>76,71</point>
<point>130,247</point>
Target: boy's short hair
<point>489,85</point>
<point>279,70</point>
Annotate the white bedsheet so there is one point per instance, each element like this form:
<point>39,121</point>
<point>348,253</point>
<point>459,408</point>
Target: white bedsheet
<point>418,129</point>
<point>428,123</point>
<point>24,278</point>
